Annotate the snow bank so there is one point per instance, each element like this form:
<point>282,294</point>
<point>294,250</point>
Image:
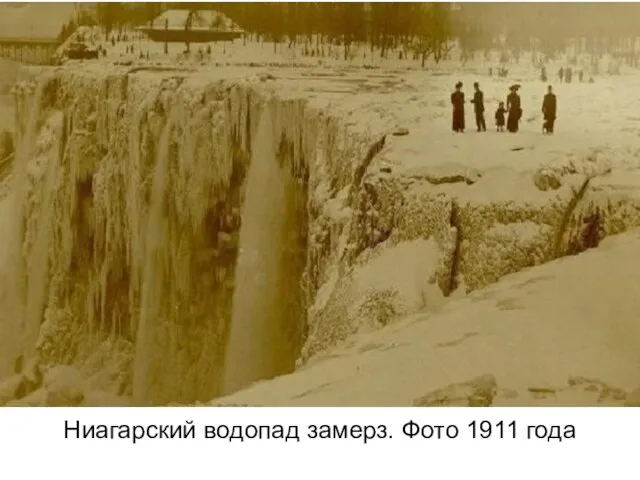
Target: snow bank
<point>563,334</point>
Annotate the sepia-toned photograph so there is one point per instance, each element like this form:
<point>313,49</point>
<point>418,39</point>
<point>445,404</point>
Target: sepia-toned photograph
<point>319,204</point>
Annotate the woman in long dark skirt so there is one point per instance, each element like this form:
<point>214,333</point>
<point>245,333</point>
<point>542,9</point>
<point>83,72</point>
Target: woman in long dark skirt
<point>457,100</point>
<point>515,110</point>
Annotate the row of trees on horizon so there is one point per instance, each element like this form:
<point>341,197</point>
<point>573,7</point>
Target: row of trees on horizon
<point>423,30</point>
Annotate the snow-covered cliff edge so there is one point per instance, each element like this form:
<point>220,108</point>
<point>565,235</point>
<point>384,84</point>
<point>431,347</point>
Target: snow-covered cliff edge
<point>178,235</point>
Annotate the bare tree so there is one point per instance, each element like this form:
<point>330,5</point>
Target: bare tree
<point>193,15</point>
<point>109,15</point>
<point>433,32</point>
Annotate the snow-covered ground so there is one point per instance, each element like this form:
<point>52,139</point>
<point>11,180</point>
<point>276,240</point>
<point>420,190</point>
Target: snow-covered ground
<point>399,92</point>
<point>539,329</point>
<point>562,334</point>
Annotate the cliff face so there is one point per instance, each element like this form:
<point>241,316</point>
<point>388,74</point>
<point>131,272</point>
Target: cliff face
<point>129,195</point>
<point>178,236</point>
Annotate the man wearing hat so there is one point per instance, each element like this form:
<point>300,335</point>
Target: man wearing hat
<point>549,108</point>
<point>457,100</point>
<point>478,107</point>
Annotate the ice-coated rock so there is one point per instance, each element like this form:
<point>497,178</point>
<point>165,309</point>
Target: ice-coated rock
<point>64,387</point>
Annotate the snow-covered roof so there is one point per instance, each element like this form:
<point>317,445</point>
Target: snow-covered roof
<point>202,20</point>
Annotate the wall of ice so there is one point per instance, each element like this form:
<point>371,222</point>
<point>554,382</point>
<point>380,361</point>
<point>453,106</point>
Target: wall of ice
<point>129,218</point>
<point>176,239</point>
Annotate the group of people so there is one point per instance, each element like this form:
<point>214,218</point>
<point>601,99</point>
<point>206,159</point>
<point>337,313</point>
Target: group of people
<point>512,111</point>
<point>566,74</point>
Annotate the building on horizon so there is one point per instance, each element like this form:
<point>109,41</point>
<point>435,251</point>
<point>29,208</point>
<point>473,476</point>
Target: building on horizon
<point>29,32</point>
<point>185,26</point>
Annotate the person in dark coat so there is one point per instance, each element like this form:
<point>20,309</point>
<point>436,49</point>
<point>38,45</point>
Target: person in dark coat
<point>500,112</point>
<point>478,107</point>
<point>514,108</point>
<point>457,100</point>
<point>549,107</point>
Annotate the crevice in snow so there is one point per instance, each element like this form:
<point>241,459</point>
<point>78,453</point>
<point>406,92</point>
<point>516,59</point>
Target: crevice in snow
<point>588,233</point>
<point>362,168</point>
<point>441,180</point>
<point>454,221</point>
<point>578,195</point>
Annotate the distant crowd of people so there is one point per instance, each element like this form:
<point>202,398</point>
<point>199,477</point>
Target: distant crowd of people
<point>565,75</point>
<point>509,115</point>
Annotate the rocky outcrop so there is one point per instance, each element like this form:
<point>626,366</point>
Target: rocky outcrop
<point>21,385</point>
<point>484,391</point>
<point>478,392</point>
<point>59,386</point>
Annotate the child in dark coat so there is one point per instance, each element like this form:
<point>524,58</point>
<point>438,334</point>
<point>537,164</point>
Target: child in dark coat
<point>500,117</point>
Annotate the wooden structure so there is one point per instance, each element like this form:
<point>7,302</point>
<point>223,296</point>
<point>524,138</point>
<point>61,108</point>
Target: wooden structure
<point>204,26</point>
<point>191,36</point>
<point>35,51</point>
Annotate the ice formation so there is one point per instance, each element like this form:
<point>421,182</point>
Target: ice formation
<point>178,236</point>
